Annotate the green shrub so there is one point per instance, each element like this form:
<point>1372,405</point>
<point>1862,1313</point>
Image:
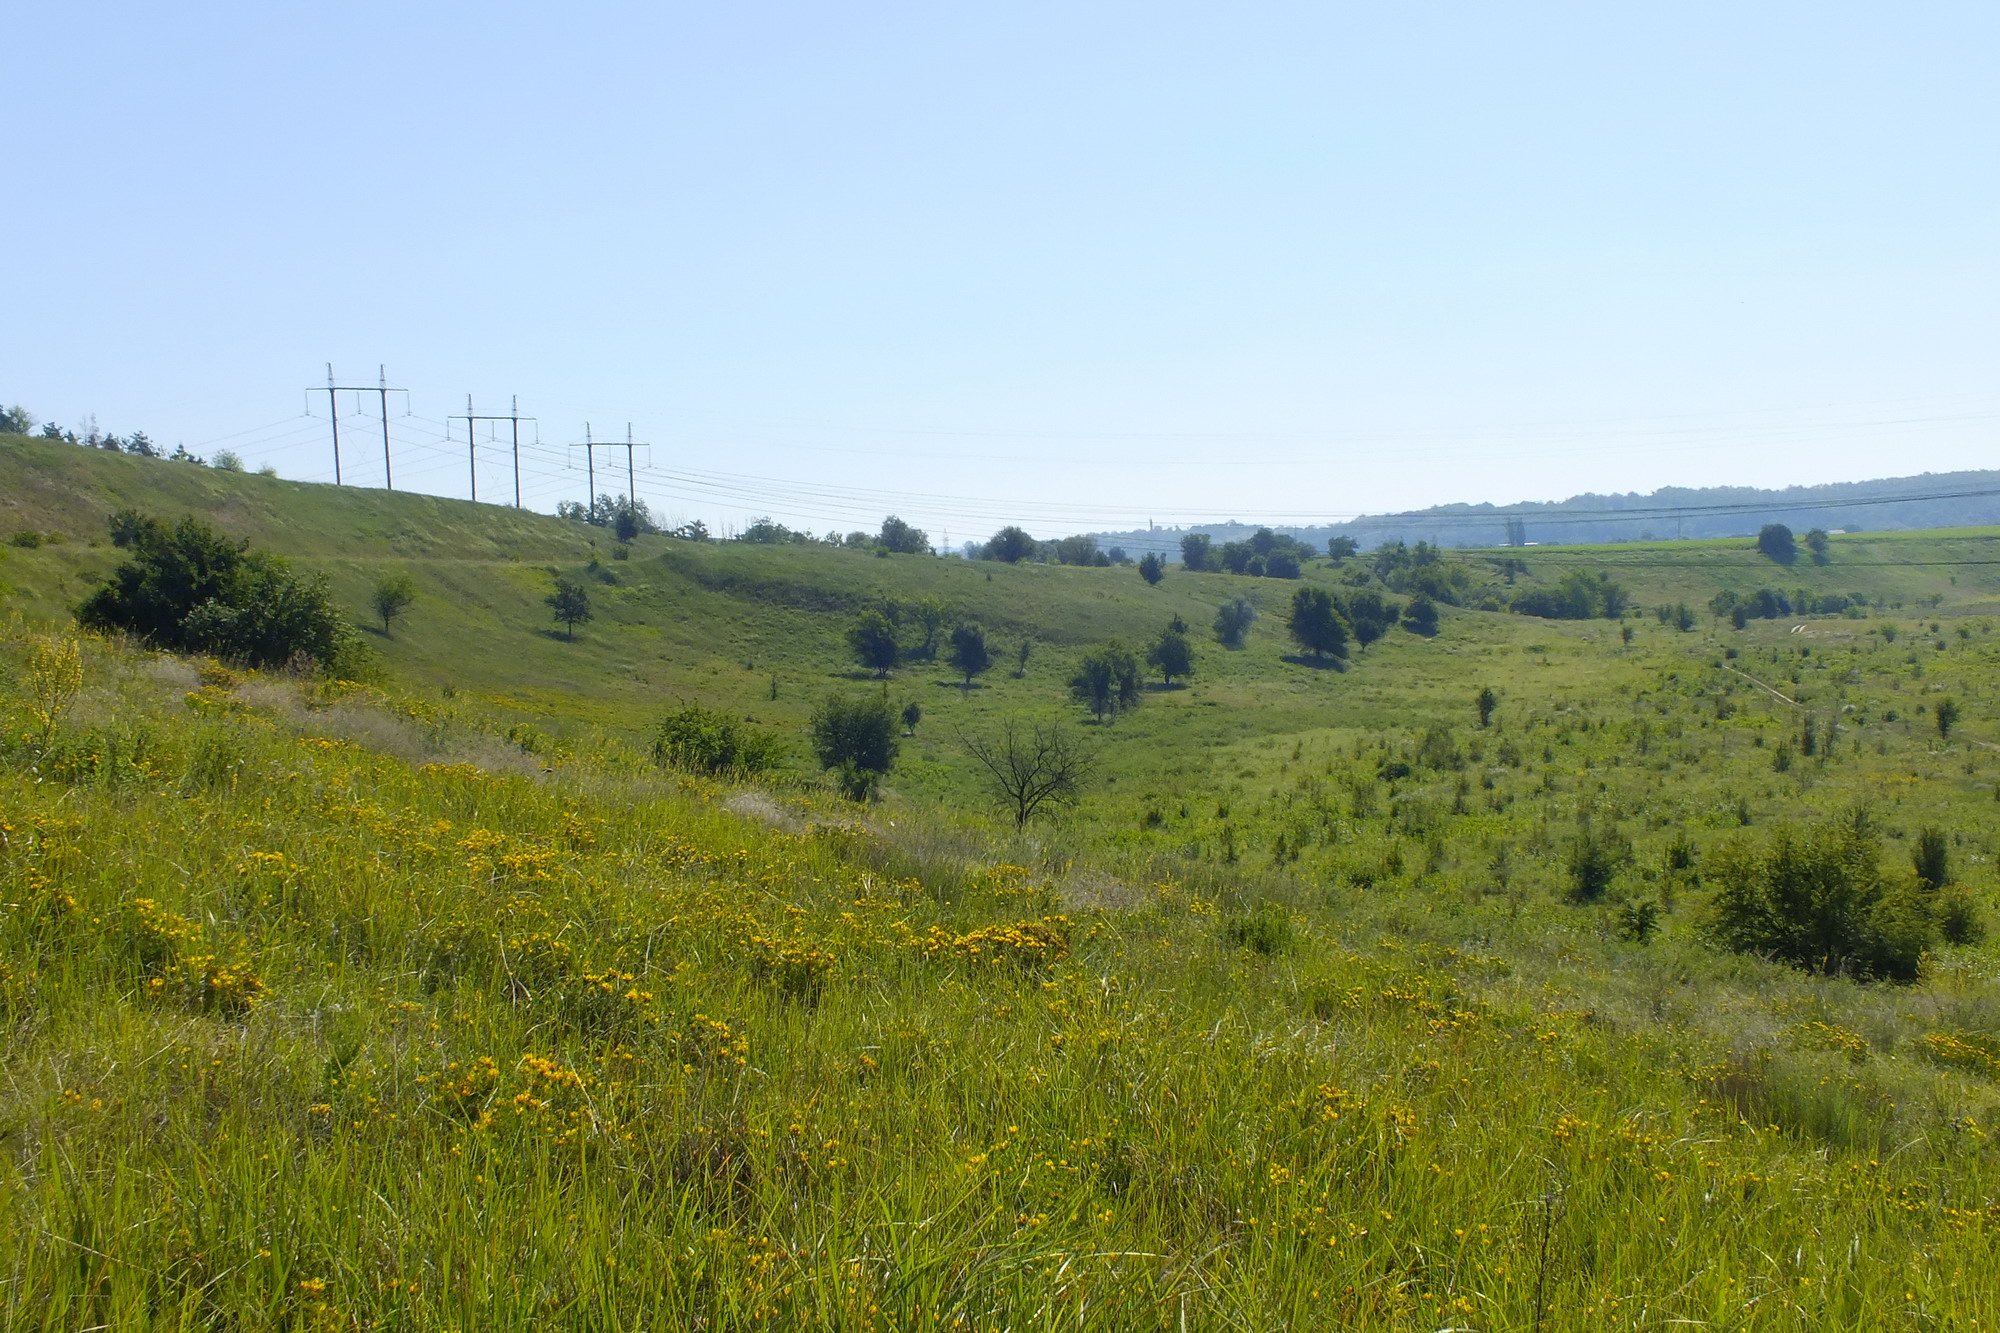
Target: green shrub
<point>1958,917</point>
<point>706,740</point>
<point>1579,595</point>
<point>186,588</point>
<point>1638,921</point>
<point>1930,857</point>
<point>1593,862</point>
<point>1265,930</point>
<point>1817,898</point>
<point>856,739</point>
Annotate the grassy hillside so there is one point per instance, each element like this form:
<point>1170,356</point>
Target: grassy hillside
<point>435,1003</point>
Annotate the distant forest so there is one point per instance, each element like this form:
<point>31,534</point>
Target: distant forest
<point>1932,500</point>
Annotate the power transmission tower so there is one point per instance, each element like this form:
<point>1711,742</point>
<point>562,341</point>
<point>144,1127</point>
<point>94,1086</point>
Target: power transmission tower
<point>469,417</point>
<point>589,447</point>
<point>380,388</point>
<point>631,484</point>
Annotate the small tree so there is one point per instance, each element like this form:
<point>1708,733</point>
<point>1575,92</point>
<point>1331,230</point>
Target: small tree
<point>1816,898</point>
<point>227,460</point>
<point>1021,653</point>
<point>1593,862</point>
<point>1282,565</point>
<point>931,614</point>
<point>570,603</point>
<point>1817,542</point>
<point>1010,545</point>
<point>1233,620</point>
<point>393,595</point>
<point>913,713</point>
<point>1152,568</point>
<point>1930,857</point>
<point>1106,680</point>
<point>1486,703</point>
<point>1369,616</point>
<point>1422,617</point>
<point>1197,552</point>
<point>902,539</point>
<point>1316,626</point>
<point>1946,717</point>
<point>1171,654</point>
<point>872,639</point>
<point>1080,549</point>
<point>1775,540</point>
<point>1032,767</point>
<point>969,654</point>
<point>855,738</point>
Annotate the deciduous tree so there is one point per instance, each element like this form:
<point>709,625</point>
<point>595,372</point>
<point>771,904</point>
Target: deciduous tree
<point>1369,616</point>
<point>930,615</point>
<point>393,595</point>
<point>856,738</point>
<point>903,539</point>
<point>1233,620</point>
<point>1775,540</point>
<point>1030,767</point>
<point>1171,654</point>
<point>872,639</point>
<point>1423,617</point>
<point>1316,624</point>
<point>969,653</point>
<point>1106,680</point>
<point>1010,545</point>
<point>570,603</point>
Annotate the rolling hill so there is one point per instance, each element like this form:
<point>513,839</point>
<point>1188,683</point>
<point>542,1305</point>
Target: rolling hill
<point>434,1001</point>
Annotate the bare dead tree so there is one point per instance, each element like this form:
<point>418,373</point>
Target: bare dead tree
<point>1029,767</point>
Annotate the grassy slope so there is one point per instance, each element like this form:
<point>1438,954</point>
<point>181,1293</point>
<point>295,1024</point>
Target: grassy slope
<point>1174,1083</point>
<point>716,622</point>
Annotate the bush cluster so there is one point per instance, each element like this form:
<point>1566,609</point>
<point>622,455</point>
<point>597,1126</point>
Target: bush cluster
<point>186,588</point>
<point>707,740</point>
<point>1579,596</point>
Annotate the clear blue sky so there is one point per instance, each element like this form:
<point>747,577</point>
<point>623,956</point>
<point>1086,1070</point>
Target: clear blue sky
<point>1075,264</point>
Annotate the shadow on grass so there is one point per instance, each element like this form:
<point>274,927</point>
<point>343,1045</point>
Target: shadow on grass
<point>1316,663</point>
<point>557,635</point>
<point>1155,687</point>
<point>959,685</point>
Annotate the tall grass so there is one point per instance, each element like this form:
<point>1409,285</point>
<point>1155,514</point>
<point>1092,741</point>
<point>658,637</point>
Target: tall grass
<point>300,1033</point>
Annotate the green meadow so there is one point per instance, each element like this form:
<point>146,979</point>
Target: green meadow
<point>432,1000</point>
